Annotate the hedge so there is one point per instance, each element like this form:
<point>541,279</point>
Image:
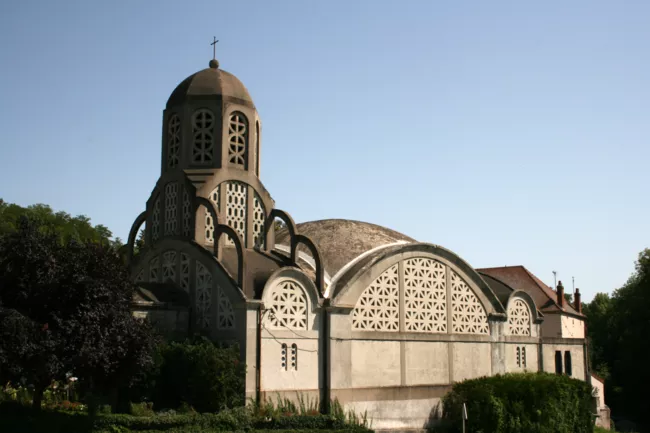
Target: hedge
<point>18,418</point>
<point>521,403</point>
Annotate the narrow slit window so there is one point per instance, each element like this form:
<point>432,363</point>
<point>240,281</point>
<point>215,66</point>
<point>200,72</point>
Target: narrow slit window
<point>523,357</point>
<point>518,357</point>
<point>294,357</point>
<point>558,362</point>
<point>568,369</point>
<point>284,357</point>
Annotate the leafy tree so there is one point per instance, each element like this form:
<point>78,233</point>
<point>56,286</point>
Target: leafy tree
<point>66,308</point>
<point>63,224</point>
<point>618,329</point>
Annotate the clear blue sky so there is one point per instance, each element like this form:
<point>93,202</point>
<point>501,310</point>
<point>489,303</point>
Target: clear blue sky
<point>509,132</point>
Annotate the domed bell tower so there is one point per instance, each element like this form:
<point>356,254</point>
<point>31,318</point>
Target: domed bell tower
<point>210,149</point>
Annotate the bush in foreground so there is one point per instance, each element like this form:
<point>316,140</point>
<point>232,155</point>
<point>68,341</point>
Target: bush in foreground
<point>521,403</point>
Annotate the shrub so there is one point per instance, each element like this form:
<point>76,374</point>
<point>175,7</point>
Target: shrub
<point>199,375</point>
<point>521,403</point>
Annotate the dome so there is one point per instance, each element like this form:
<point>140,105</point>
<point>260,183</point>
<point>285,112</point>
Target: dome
<point>340,241</point>
<point>209,82</point>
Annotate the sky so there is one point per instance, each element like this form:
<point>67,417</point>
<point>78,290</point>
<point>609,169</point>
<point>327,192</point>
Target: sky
<point>512,133</point>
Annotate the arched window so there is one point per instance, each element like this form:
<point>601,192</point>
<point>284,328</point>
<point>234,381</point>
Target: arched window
<point>238,140</point>
<point>169,266</point>
<point>288,306</point>
<point>173,140</point>
<point>518,318</point>
<point>568,368</point>
<point>203,296</point>
<point>171,208</point>
<point>468,315</point>
<point>203,136</point>
<point>378,306</point>
<point>155,220</point>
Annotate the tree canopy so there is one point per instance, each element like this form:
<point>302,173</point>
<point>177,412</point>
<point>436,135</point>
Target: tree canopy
<point>618,328</point>
<point>63,224</point>
<point>65,309</point>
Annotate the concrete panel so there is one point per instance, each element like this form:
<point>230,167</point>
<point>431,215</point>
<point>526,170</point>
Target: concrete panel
<point>397,414</point>
<point>426,363</point>
<point>531,358</point>
<point>572,328</point>
<point>577,359</point>
<point>375,363</point>
<point>470,360</point>
<point>275,376</point>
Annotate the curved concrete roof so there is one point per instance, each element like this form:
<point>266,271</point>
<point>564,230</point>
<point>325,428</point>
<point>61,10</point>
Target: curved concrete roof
<point>340,241</point>
<point>211,81</point>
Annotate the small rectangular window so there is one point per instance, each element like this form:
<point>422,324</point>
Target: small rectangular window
<point>518,357</point>
<point>567,363</point>
<point>284,357</point>
<point>523,357</point>
<point>294,357</point>
<point>558,362</point>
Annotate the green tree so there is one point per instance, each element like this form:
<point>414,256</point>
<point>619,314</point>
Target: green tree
<point>66,308</point>
<point>618,329</point>
<point>63,224</point>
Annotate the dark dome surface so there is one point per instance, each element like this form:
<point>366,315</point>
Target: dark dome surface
<point>339,241</point>
<point>211,81</point>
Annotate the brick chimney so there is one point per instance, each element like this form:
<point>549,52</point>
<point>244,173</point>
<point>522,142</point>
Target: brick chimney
<point>576,301</point>
<point>560,294</point>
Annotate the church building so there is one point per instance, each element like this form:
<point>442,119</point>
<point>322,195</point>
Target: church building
<point>329,309</point>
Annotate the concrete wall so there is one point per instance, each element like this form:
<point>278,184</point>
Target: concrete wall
<point>599,391</point>
<point>531,356</point>
<point>577,357</point>
<point>275,376</point>
<point>572,327</point>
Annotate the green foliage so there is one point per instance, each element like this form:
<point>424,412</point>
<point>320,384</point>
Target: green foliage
<point>618,329</point>
<point>65,226</point>
<point>18,418</point>
<point>199,374</point>
<point>65,308</point>
<point>521,403</point>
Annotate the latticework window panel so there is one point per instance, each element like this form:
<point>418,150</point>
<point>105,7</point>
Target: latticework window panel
<point>225,313</point>
<point>140,278</point>
<point>236,210</point>
<point>209,223</point>
<point>173,140</point>
<point>203,136</point>
<point>519,318</point>
<point>185,272</point>
<point>169,266</point>
<point>154,269</point>
<point>237,140</point>
<point>467,313</point>
<point>259,217</point>
<point>187,214</point>
<point>425,296</point>
<point>203,296</point>
<point>288,306</point>
<point>155,220</point>
<point>171,208</point>
<point>378,306</point>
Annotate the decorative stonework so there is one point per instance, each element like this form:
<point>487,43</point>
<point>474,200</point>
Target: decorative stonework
<point>225,313</point>
<point>203,137</point>
<point>378,306</point>
<point>140,277</point>
<point>209,223</point>
<point>467,313</point>
<point>169,266</point>
<point>237,140</point>
<point>154,269</point>
<point>259,217</point>
<point>425,295</point>
<point>171,209</point>
<point>237,193</point>
<point>288,306</point>
<point>519,318</point>
<point>187,214</point>
<point>203,296</point>
<point>185,272</point>
<point>173,140</point>
<point>155,220</point>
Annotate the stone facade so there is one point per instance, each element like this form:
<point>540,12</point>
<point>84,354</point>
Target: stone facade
<point>327,309</point>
